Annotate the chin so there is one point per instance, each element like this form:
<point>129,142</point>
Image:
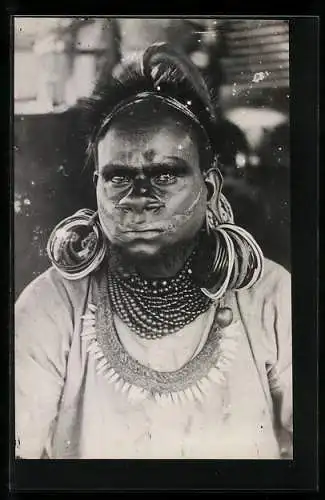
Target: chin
<point>142,251</point>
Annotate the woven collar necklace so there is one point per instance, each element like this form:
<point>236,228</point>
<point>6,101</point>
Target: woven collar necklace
<point>139,382</point>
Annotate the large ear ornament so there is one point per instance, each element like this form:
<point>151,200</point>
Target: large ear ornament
<point>238,261</point>
<point>76,246</point>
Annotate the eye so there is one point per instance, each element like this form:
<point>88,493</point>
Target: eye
<point>165,178</point>
<point>120,180</point>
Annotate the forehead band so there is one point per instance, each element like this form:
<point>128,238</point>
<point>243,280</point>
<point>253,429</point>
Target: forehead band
<point>150,96</point>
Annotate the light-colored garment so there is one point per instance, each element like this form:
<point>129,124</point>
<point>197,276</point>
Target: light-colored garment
<point>68,406</point>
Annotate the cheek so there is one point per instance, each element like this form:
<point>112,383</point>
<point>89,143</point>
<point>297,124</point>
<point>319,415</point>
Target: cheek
<point>104,202</point>
<point>107,198</point>
<point>106,212</point>
<point>187,199</point>
<point>187,209</point>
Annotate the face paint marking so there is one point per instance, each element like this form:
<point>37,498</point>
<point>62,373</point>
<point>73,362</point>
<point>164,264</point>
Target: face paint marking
<point>172,208</point>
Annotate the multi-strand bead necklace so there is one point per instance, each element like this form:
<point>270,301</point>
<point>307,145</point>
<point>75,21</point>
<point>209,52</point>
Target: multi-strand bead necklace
<point>155,308</point>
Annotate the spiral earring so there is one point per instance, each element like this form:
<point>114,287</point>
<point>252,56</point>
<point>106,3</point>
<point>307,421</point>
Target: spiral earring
<point>238,261</point>
<point>77,246</point>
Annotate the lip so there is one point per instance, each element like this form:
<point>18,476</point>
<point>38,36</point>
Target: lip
<point>144,228</point>
<point>143,233</point>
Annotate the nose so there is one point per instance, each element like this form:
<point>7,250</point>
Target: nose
<point>139,198</point>
<point>138,204</point>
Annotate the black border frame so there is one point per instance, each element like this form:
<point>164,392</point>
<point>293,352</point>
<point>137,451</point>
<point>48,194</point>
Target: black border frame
<point>301,474</point>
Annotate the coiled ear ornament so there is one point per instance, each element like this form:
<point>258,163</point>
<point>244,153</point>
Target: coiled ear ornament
<point>238,261</point>
<point>77,246</point>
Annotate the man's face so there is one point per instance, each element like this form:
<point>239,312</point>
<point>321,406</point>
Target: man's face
<point>150,190</point>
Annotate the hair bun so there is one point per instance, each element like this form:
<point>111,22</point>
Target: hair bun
<point>162,61</point>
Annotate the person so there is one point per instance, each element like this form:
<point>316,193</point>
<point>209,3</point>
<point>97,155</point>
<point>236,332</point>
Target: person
<point>160,330</point>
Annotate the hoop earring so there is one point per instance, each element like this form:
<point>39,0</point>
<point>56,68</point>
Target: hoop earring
<point>76,246</point>
<point>222,267</point>
<point>238,262</point>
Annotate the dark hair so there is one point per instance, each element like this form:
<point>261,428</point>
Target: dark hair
<point>160,69</point>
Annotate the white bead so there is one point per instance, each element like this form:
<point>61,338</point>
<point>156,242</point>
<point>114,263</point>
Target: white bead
<point>114,377</point>
<point>175,397</point>
<point>118,384</point>
<point>109,373</point>
<point>98,354</point>
<point>92,307</point>
<point>216,375</point>
<point>125,387</point>
<point>164,400</point>
<point>157,397</point>
<point>137,394</point>
<point>103,362</point>
<point>89,316</point>
<point>92,348</point>
<point>189,394</point>
<point>182,396</point>
<point>89,332</point>
<point>223,363</point>
<point>204,384</point>
<point>197,393</point>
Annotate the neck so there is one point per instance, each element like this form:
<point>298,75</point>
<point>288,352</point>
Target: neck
<point>165,265</point>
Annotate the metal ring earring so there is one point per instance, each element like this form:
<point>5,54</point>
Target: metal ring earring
<point>77,246</point>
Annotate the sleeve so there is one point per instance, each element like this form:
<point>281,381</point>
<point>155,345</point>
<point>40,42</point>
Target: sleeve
<point>277,324</point>
<point>43,327</point>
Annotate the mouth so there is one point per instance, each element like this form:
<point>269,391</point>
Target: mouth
<point>143,228</point>
<point>146,234</point>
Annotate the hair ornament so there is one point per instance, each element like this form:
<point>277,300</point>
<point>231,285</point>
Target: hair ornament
<point>160,71</point>
<point>161,60</point>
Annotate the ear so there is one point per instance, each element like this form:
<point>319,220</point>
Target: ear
<point>95,178</point>
<point>213,180</point>
<point>218,206</point>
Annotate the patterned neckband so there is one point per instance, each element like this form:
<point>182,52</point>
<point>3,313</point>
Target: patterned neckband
<point>139,382</point>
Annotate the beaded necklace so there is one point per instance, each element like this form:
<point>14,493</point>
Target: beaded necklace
<point>137,382</point>
<point>155,308</point>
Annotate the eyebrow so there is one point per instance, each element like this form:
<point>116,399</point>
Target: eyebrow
<point>172,163</point>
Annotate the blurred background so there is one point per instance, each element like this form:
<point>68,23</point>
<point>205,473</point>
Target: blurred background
<point>60,61</point>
